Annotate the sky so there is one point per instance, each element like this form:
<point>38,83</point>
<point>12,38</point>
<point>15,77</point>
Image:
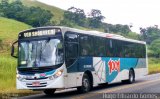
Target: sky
<point>139,13</point>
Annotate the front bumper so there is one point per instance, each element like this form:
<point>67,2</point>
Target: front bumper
<point>43,84</point>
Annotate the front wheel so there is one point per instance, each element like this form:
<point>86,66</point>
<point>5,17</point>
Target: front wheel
<point>86,84</point>
<point>49,91</point>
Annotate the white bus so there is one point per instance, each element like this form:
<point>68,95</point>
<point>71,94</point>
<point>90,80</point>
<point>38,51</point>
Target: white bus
<point>56,57</point>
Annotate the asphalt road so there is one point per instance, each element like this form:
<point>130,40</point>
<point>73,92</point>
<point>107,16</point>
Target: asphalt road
<point>145,88</point>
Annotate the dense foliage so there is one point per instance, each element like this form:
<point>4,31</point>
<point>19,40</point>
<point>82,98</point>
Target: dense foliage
<point>34,16</point>
<point>152,37</point>
<point>94,20</point>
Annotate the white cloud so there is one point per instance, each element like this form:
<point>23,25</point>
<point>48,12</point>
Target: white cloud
<point>141,13</point>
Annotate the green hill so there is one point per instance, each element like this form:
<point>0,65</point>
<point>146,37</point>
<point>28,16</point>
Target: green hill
<point>10,28</point>
<point>57,12</point>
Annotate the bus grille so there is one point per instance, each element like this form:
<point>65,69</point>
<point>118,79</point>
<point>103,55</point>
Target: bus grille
<point>44,84</point>
<point>36,78</point>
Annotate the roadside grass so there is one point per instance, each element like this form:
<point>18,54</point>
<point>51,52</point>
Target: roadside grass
<point>154,65</point>
<point>7,72</point>
<point>154,68</point>
<point>8,75</point>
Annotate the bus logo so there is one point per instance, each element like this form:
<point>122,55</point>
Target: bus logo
<point>114,65</point>
<point>42,75</point>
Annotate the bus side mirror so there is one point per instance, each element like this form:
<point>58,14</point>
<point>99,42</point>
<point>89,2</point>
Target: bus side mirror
<point>13,49</point>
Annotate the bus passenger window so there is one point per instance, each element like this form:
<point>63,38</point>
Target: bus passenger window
<point>99,47</point>
<point>109,46</point>
<point>86,45</point>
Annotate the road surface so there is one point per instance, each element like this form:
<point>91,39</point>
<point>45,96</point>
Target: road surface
<point>145,88</point>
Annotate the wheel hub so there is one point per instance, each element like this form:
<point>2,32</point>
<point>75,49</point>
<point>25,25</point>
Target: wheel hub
<point>85,84</point>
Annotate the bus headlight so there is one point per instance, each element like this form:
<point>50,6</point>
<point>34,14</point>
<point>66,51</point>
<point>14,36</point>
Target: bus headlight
<point>56,75</point>
<point>59,73</point>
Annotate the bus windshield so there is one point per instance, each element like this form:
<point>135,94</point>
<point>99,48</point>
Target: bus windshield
<point>40,53</point>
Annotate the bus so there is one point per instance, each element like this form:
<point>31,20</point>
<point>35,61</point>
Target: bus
<point>57,57</point>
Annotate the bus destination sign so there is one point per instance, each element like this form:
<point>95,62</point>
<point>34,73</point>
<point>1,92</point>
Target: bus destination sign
<point>38,33</point>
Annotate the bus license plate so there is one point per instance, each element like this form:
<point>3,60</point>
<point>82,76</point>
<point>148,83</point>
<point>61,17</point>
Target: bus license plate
<point>36,83</point>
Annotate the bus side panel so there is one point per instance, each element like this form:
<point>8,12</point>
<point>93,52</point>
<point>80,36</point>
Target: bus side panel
<point>108,69</point>
<point>76,70</point>
<point>141,68</point>
<point>100,70</point>
<point>117,69</point>
<point>81,65</point>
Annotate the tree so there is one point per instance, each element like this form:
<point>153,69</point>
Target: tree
<point>118,28</point>
<point>95,18</point>
<point>155,47</point>
<point>4,7</point>
<point>80,17</point>
<point>15,8</point>
<point>74,15</point>
<point>125,29</point>
<point>143,33</point>
<point>38,16</point>
<point>133,35</point>
<point>149,34</point>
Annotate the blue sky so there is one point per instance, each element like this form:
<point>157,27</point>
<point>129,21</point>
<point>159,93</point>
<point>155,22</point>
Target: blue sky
<point>139,13</point>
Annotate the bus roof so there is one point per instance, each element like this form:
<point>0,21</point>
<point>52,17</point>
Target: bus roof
<point>94,33</point>
<point>102,34</point>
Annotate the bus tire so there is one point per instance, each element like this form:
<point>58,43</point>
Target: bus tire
<point>49,91</point>
<point>131,76</point>
<point>86,84</point>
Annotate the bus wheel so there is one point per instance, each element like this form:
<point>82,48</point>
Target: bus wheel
<point>49,91</point>
<point>131,76</point>
<point>86,84</point>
